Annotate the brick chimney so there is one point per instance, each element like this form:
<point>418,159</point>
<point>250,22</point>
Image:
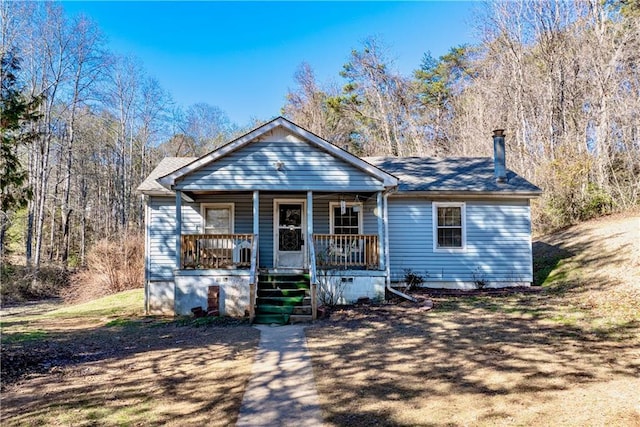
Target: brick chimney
<point>498,156</point>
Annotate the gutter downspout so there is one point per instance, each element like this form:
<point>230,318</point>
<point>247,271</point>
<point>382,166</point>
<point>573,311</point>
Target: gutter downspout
<point>385,217</point>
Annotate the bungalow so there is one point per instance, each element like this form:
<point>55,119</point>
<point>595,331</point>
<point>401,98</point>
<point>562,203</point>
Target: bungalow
<point>279,219</point>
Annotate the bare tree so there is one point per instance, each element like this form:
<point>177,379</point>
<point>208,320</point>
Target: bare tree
<point>309,106</point>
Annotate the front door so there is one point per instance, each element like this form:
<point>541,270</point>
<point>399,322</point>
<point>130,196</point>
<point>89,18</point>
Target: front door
<point>289,233</point>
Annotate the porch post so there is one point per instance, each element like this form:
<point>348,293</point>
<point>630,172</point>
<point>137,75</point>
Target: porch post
<point>256,212</point>
<point>381,236</point>
<point>309,217</point>
<point>178,229</point>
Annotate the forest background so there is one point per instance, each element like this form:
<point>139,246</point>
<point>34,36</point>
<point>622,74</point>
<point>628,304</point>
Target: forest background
<point>83,126</point>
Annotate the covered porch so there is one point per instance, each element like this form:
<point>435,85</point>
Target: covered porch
<point>242,234</point>
<point>218,230</point>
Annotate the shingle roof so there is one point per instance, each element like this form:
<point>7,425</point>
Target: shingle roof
<point>167,165</point>
<point>429,174</point>
<point>452,174</point>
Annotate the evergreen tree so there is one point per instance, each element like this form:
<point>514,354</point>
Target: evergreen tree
<point>17,113</point>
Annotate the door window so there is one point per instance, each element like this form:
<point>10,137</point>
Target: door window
<point>290,227</point>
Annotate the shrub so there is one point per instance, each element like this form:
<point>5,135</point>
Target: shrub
<point>330,289</point>
<point>19,283</point>
<point>112,266</point>
<point>413,280</point>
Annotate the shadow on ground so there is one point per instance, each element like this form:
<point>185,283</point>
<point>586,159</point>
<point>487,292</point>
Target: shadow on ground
<point>471,359</point>
<point>138,373</point>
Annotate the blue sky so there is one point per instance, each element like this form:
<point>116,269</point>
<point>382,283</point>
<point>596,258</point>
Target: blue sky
<point>241,56</point>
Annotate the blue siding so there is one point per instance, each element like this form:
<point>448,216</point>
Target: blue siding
<point>305,168</point>
<point>266,231</point>
<point>162,241</point>
<point>498,242</point>
<point>162,227</point>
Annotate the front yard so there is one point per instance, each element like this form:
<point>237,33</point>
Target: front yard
<point>568,355</point>
<point>102,363</point>
<point>475,361</point>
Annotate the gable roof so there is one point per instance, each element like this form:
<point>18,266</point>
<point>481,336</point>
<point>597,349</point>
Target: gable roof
<point>444,176</point>
<point>152,187</point>
<point>170,179</point>
<point>452,175</point>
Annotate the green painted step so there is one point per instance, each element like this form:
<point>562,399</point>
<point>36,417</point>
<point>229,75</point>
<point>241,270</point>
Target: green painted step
<point>283,285</point>
<point>271,309</point>
<point>273,300</point>
<point>267,319</point>
<point>282,293</point>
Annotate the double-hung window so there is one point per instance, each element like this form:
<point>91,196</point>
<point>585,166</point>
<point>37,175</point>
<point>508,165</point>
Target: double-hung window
<point>449,227</point>
<point>217,218</point>
<point>346,218</point>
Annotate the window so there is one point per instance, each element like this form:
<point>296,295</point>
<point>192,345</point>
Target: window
<point>449,226</point>
<point>347,221</point>
<point>217,218</point>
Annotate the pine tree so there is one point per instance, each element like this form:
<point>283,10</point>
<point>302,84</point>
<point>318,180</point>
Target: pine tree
<point>17,115</point>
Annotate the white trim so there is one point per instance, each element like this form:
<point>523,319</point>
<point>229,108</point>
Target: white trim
<point>203,212</point>
<point>178,232</point>
<point>276,226</point>
<point>387,179</point>
<point>381,236</point>
<point>434,221</point>
<point>147,257</point>
<point>332,205</point>
<point>256,212</point>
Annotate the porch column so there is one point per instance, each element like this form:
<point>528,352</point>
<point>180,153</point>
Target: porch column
<point>309,217</point>
<point>381,236</point>
<point>178,229</point>
<point>256,212</point>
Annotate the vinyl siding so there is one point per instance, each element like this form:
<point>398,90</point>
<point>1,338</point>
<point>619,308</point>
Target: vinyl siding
<point>305,167</point>
<point>498,241</point>
<point>162,241</point>
<point>162,224</point>
<point>162,227</point>
<point>266,231</point>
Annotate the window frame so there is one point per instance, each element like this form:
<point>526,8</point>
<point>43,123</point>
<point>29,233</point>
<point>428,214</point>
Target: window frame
<point>203,214</point>
<point>463,225</point>
<point>332,222</point>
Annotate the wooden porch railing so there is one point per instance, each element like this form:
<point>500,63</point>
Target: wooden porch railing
<point>343,251</point>
<point>206,251</point>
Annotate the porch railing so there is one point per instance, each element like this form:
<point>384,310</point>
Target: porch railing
<point>344,251</point>
<point>207,251</point>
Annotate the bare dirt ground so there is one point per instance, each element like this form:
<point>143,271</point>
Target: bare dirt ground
<point>101,370</point>
<point>567,355</point>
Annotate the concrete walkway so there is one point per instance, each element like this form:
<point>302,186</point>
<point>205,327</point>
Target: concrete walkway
<point>281,391</point>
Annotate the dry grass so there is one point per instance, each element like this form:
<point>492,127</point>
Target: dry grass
<point>566,356</point>
<point>100,364</point>
<point>113,266</point>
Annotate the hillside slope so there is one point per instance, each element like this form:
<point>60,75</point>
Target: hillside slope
<point>594,265</point>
